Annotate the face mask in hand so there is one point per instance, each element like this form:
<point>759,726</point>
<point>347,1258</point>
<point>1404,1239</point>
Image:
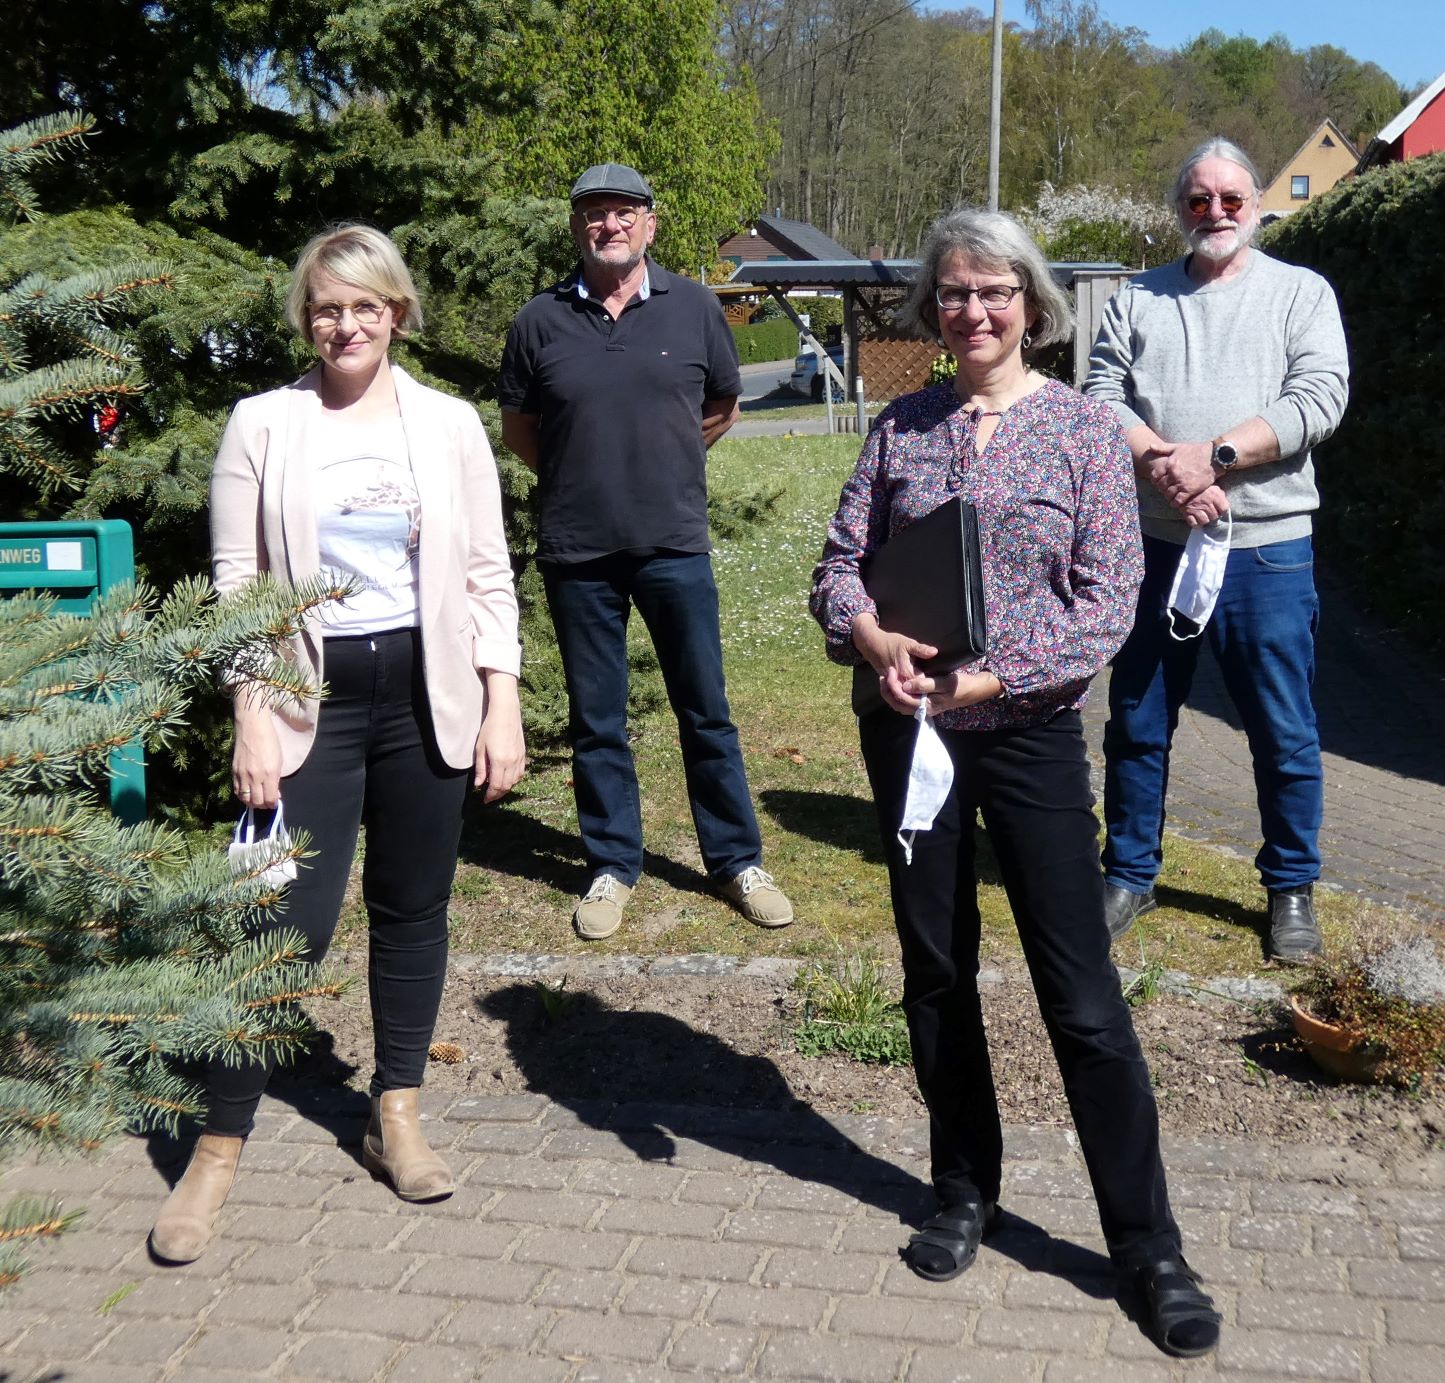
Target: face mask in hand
<point>252,853</point>
<point>1198,579</point>
<point>930,777</point>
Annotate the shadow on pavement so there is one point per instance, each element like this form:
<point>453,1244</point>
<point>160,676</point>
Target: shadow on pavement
<point>1378,701</point>
<point>315,1085</point>
<point>662,1088</point>
<point>1088,1271</point>
<point>781,397</point>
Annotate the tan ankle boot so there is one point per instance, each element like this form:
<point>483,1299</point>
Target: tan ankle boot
<point>395,1148</point>
<point>187,1220</point>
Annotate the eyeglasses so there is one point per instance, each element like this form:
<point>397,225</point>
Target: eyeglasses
<point>625,216</point>
<point>953,297</point>
<point>1230,203</point>
<point>366,313</point>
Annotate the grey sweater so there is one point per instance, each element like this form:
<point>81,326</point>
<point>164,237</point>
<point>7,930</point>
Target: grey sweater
<point>1194,360</point>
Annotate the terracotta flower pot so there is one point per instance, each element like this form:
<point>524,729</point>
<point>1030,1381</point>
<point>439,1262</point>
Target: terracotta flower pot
<point>1332,1049</point>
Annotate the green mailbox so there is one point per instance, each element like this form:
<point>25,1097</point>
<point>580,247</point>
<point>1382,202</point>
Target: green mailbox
<point>76,561</point>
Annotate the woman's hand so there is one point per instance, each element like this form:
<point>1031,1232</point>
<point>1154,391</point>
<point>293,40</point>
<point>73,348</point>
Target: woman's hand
<point>256,759</point>
<point>501,753</point>
<point>948,692</point>
<point>888,653</point>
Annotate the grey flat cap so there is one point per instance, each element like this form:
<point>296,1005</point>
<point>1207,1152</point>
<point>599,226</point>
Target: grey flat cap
<point>616,178</point>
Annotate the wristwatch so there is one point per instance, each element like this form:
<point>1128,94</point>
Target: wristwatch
<point>1224,457</point>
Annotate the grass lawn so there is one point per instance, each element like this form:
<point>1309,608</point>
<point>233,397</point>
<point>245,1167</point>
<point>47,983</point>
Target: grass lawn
<point>521,864</point>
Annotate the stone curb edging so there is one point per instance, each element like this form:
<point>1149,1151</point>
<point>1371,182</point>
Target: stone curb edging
<point>773,969</point>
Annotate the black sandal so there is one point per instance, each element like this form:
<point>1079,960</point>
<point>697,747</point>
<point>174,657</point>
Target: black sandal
<point>1181,1314</point>
<point>948,1242</point>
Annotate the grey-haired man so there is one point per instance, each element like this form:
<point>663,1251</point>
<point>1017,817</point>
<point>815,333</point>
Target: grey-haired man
<point>614,384</point>
<point>1226,368</point>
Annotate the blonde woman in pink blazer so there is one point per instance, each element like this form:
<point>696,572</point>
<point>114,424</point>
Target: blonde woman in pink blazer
<point>356,469</point>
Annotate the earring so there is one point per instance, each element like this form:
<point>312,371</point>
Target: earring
<point>1028,339</point>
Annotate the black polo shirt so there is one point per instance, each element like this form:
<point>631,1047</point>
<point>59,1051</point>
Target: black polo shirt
<point>621,464</point>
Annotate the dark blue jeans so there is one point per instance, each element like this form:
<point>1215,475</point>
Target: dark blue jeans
<point>677,599</point>
<point>1262,634</point>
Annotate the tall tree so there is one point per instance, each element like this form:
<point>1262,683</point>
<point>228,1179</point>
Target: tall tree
<point>1077,99</point>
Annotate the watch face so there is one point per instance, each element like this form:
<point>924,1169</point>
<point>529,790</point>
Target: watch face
<point>1225,455</point>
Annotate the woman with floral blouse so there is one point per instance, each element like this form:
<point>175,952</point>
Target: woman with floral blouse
<point>1050,477</point>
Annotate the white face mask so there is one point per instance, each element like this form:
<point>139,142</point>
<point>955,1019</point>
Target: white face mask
<point>253,854</point>
<point>930,777</point>
<point>1198,578</point>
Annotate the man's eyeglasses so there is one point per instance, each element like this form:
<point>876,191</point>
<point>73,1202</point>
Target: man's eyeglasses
<point>625,216</point>
<point>367,312</point>
<point>995,296</point>
<point>1229,202</point>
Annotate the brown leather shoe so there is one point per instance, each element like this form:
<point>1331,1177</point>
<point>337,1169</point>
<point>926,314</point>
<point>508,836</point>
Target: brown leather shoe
<point>187,1221</point>
<point>395,1149</point>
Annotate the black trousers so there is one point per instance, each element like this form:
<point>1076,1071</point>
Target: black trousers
<point>1032,786</point>
<point>374,761</point>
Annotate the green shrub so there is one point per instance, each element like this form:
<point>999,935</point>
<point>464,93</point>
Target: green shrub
<point>821,313</point>
<point>1380,241</point>
<point>776,340</point>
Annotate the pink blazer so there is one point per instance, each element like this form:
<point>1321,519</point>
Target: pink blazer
<point>263,518</point>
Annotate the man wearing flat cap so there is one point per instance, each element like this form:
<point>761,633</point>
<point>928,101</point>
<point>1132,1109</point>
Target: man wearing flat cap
<point>615,382</point>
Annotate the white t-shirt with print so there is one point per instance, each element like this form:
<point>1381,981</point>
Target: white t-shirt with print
<point>368,520</point>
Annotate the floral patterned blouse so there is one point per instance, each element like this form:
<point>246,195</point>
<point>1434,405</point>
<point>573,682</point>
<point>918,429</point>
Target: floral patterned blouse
<point>1058,531</point>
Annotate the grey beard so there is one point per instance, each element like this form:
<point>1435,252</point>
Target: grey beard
<point>592,260</point>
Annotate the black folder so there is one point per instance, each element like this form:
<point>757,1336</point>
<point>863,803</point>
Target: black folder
<point>927,582</point>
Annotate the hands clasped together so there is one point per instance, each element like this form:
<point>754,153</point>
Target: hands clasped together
<point>1183,472</point>
<point>903,686</point>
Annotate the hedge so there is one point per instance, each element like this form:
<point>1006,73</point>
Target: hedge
<point>822,312</point>
<point>1380,240</point>
<point>766,341</point>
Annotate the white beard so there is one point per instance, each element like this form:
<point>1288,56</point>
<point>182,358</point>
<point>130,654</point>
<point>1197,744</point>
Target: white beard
<point>1218,246</point>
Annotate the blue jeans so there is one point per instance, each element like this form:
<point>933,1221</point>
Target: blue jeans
<point>677,599</point>
<point>1262,634</point>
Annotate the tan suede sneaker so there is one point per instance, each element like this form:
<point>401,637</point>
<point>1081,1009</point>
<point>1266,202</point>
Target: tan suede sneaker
<point>599,911</point>
<point>754,894</point>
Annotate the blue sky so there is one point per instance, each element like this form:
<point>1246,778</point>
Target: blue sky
<point>1405,37</point>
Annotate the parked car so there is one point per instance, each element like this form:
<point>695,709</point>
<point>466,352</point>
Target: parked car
<point>808,379</point>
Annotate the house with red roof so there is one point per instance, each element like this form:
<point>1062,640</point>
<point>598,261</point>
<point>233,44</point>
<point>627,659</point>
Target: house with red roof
<point>1419,129</point>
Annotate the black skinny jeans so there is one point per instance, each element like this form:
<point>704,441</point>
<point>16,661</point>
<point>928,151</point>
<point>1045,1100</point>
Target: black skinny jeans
<point>375,761</point>
<point>1032,786</point>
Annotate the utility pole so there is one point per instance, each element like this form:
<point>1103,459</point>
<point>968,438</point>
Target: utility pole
<point>995,105</point>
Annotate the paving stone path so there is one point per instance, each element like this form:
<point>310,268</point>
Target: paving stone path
<point>655,1244</point>
<point>1382,727</point>
<point>630,1244</point>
